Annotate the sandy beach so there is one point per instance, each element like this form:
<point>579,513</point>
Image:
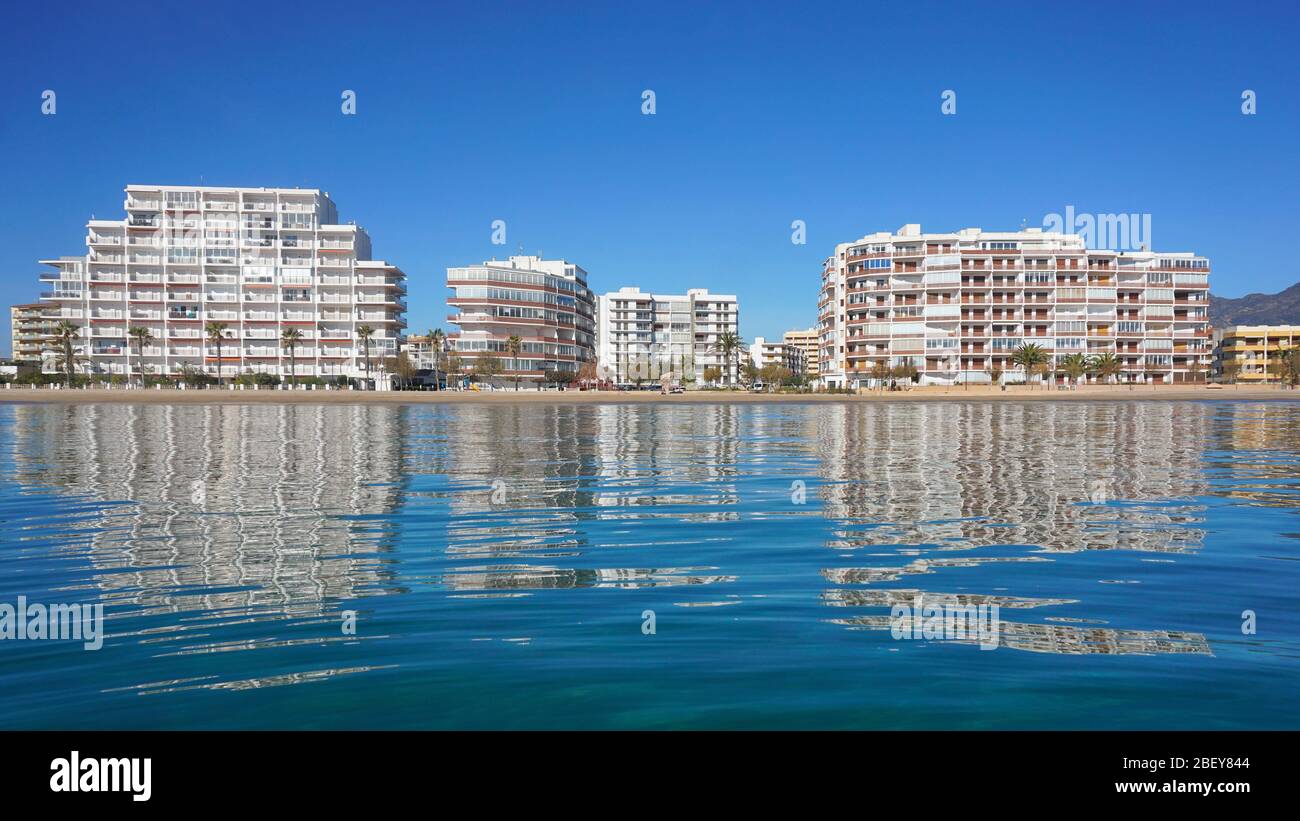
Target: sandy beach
<point>1015,393</point>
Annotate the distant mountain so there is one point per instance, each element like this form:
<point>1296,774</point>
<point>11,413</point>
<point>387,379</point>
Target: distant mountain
<point>1257,309</point>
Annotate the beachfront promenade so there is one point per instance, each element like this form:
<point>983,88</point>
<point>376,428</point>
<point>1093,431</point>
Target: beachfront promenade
<point>1013,393</point>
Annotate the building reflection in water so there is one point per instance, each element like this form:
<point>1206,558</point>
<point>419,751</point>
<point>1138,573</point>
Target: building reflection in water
<point>1060,638</point>
<point>531,482</point>
<point>229,511</point>
<point>223,512</point>
<point>1060,476</point>
<point>1053,478</point>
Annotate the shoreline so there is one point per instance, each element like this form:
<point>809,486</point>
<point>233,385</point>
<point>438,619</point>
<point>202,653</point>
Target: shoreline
<point>1096,393</point>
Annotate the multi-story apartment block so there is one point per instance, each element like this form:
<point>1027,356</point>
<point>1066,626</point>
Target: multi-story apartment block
<point>546,303</point>
<point>646,336</point>
<point>807,342</point>
<point>423,351</point>
<point>763,352</point>
<point>1257,350</point>
<point>258,260</point>
<point>957,305</point>
<point>31,327</point>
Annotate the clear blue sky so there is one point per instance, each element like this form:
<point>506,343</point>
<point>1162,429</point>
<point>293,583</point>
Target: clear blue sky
<point>766,113</point>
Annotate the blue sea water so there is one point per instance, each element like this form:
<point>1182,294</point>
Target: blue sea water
<point>654,566</point>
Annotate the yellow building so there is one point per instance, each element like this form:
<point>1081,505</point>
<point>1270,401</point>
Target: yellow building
<point>1257,348</point>
<point>31,327</point>
<point>807,342</point>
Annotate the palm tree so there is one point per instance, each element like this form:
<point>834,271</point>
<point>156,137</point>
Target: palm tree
<point>437,339</point>
<point>1075,366</point>
<point>66,335</point>
<point>1029,356</point>
<point>728,345</point>
<point>216,331</point>
<point>514,345</point>
<point>289,338</point>
<point>1105,365</point>
<point>142,336</point>
<point>364,332</point>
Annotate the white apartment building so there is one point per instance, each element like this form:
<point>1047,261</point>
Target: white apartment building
<point>545,302</point>
<point>643,337</point>
<point>259,260</point>
<point>764,352</point>
<point>957,305</point>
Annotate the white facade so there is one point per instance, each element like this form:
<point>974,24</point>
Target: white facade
<point>957,305</point>
<point>645,337</point>
<point>259,260</point>
<point>764,352</point>
<point>544,302</point>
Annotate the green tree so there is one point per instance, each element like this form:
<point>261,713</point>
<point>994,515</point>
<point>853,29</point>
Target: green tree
<point>141,336</point>
<point>907,372</point>
<point>1074,366</point>
<point>514,345</point>
<point>455,366</point>
<point>402,369</point>
<point>437,341</point>
<point>728,345</point>
<point>775,375</point>
<point>66,336</point>
<point>216,332</point>
<point>1289,366</point>
<point>289,338</point>
<point>1231,369</point>
<point>881,372</point>
<point>486,367</point>
<point>1029,356</point>
<point>364,334</point>
<point>1105,365</point>
<point>557,377</point>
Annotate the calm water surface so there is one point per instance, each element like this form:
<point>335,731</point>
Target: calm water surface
<point>500,561</point>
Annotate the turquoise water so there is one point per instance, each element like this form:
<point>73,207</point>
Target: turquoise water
<point>500,561</point>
